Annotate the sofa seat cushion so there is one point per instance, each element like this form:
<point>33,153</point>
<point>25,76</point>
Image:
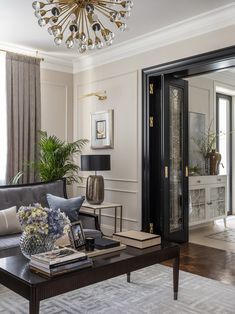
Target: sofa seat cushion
<point>9,241</point>
<point>92,233</point>
<point>69,206</point>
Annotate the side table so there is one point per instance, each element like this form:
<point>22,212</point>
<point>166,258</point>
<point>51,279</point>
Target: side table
<point>103,206</point>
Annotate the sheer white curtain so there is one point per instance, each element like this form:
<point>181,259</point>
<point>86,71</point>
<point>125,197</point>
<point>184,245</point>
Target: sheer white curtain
<point>3,119</point>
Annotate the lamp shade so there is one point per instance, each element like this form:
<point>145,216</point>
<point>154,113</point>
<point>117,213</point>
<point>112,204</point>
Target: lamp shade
<point>95,162</point>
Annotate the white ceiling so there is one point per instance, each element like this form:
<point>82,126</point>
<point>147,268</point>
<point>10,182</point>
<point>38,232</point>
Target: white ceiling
<point>18,25</point>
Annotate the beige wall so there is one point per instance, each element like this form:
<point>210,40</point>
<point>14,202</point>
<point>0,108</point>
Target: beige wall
<point>122,81</point>
<point>57,103</point>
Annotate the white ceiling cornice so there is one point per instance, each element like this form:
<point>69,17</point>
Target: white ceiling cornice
<point>51,62</point>
<point>192,27</point>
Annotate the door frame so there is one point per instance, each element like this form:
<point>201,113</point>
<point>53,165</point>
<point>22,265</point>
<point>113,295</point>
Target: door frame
<point>191,66</point>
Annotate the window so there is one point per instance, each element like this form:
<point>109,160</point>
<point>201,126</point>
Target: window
<point>224,140</point>
<point>3,119</point>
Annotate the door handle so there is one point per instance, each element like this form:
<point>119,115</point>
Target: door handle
<point>209,203</point>
<point>186,171</point>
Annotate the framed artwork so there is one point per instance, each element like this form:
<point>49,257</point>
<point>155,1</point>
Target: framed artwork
<point>76,235</point>
<point>102,129</point>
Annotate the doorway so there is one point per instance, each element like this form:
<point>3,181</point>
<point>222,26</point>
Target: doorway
<point>165,194</point>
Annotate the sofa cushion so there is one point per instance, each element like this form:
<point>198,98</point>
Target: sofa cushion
<point>9,222</point>
<point>69,206</point>
<point>9,241</point>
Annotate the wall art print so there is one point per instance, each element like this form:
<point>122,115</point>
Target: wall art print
<point>102,129</point>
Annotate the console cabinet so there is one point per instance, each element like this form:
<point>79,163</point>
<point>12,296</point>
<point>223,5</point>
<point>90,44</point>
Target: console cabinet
<point>207,199</point>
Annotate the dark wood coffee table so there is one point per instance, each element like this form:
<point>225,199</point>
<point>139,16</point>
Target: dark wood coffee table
<point>15,273</point>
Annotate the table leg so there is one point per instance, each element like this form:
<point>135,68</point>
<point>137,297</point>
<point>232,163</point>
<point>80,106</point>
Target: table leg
<point>115,220</point>
<point>100,217</point>
<point>176,264</point>
<point>34,303</point>
<point>120,218</point>
<point>128,277</point>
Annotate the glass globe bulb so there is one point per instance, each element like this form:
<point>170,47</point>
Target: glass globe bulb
<point>69,42</point>
<point>50,31</point>
<point>42,22</point>
<point>37,5</point>
<point>40,13</point>
<point>99,45</point>
<point>122,27</point>
<point>53,20</point>
<point>90,44</point>
<point>82,49</point>
<point>58,40</point>
<point>109,42</point>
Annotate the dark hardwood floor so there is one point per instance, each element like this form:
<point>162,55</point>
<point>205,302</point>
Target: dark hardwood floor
<point>207,262</point>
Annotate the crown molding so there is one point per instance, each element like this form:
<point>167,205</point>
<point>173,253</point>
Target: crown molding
<point>61,63</point>
<point>201,24</point>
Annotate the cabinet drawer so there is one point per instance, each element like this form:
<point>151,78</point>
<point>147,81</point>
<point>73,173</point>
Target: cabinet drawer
<point>202,180</point>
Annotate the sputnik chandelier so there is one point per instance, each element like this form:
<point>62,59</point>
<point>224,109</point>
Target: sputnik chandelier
<point>79,23</point>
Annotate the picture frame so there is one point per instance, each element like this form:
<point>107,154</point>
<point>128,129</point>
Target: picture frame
<point>102,129</point>
<point>76,235</point>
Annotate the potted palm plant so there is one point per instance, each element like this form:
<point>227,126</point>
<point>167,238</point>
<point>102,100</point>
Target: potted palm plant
<point>56,159</point>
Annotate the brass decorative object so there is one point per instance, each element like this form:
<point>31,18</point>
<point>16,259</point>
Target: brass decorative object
<point>100,95</point>
<point>151,228</point>
<point>95,190</point>
<point>79,22</point>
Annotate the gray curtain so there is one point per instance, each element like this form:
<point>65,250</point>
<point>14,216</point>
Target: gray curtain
<point>23,114</point>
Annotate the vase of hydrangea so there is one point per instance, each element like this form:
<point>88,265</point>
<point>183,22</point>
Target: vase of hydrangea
<point>41,228</point>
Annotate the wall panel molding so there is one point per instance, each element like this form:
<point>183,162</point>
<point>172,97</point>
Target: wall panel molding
<point>65,86</point>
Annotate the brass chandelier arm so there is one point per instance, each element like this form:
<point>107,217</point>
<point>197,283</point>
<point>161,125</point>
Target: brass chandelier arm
<point>109,10</point>
<point>108,2</point>
<point>104,13</point>
<point>87,28</point>
<point>64,19</point>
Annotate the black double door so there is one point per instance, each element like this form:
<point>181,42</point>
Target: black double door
<point>165,158</point>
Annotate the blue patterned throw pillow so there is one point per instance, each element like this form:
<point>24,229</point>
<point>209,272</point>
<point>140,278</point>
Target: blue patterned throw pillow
<point>69,206</point>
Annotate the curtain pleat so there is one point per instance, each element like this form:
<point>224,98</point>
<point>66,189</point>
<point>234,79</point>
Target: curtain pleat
<point>23,115</point>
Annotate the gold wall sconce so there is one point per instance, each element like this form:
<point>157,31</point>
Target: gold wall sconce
<point>100,95</point>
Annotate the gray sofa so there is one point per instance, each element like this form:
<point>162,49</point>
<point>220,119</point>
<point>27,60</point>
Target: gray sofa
<point>18,195</point>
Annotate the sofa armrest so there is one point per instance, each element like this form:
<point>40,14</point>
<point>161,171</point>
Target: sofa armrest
<point>89,221</point>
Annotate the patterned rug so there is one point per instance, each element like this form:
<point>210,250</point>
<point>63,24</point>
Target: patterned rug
<point>227,235</point>
<point>150,292</point>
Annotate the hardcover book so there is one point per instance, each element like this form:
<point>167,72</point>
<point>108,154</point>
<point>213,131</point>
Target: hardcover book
<point>138,239</point>
<point>106,243</point>
<point>59,256</point>
<point>60,269</point>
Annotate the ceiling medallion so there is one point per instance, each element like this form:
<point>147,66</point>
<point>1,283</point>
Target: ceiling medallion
<point>78,22</point>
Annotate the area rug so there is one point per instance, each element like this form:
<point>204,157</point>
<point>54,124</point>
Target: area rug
<point>226,235</point>
<point>150,292</point>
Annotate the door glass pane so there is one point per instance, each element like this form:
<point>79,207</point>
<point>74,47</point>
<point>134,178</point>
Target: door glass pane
<point>175,166</point>
<point>223,139</point>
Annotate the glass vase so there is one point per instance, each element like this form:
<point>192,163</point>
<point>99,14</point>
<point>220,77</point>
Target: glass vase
<point>31,244</point>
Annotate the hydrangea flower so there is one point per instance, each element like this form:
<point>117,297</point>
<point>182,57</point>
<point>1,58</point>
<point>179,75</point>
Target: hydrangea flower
<point>42,220</point>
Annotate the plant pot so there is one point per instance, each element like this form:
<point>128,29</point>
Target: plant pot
<point>31,244</point>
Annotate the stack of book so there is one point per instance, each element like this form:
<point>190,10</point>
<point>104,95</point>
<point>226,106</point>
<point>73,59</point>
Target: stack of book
<point>59,261</point>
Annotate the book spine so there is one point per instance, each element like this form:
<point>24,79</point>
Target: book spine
<point>59,271</point>
<point>51,266</point>
<point>58,260</point>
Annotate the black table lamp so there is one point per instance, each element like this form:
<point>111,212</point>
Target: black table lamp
<point>95,183</point>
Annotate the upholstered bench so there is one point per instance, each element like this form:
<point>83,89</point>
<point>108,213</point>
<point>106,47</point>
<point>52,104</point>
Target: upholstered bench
<point>24,195</point>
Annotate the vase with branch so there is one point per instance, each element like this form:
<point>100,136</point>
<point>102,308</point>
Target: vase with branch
<point>206,143</point>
